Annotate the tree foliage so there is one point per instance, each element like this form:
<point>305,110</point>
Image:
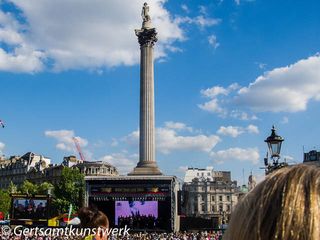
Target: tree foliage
<point>69,190</point>
<point>12,188</point>
<point>5,201</point>
<point>28,188</point>
<point>44,187</point>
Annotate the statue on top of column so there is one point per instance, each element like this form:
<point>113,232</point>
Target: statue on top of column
<point>145,16</point>
<point>147,34</point>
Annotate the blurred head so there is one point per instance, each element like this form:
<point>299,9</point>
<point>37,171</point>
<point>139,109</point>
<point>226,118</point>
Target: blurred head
<point>92,217</point>
<point>286,205</point>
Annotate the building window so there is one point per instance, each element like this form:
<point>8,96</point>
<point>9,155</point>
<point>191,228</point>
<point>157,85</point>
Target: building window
<point>203,208</point>
<point>212,198</point>
<point>202,197</point>
<point>220,198</point>
<point>228,198</point>
<point>220,208</point>
<point>228,208</point>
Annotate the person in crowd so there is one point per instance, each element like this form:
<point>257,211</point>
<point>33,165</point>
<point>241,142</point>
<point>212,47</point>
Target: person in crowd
<point>95,219</point>
<point>286,205</point>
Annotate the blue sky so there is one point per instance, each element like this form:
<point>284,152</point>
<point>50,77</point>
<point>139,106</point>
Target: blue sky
<point>225,72</point>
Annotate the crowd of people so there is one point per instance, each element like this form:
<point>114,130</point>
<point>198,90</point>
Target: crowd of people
<point>138,236</point>
<point>137,221</point>
<point>173,236</point>
<point>286,206</point>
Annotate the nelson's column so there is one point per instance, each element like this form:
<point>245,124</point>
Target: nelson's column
<point>147,36</point>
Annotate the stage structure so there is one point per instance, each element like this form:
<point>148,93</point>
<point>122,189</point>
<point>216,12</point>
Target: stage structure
<point>143,203</point>
<point>145,199</point>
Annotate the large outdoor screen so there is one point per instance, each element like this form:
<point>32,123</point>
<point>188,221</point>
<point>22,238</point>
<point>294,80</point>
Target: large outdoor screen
<point>127,211</point>
<point>29,208</point>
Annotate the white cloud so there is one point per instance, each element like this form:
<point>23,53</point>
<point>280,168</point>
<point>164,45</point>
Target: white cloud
<point>214,105</point>
<point>232,131</point>
<point>212,39</point>
<point>22,57</point>
<point>121,161</point>
<point>206,22</point>
<point>252,129</point>
<point>21,60</point>
<point>201,21</point>
<point>238,2</point>
<point>114,142</point>
<point>285,89</point>
<point>183,169</point>
<point>65,140</point>
<point>242,115</point>
<point>239,154</point>
<point>288,158</point>
<point>2,146</point>
<point>177,126</point>
<point>69,34</point>
<point>73,34</point>
<point>284,120</point>
<point>262,65</point>
<point>185,8</point>
<point>10,36</point>
<point>214,92</point>
<point>168,139</point>
<point>132,138</point>
<point>203,10</point>
<point>235,131</point>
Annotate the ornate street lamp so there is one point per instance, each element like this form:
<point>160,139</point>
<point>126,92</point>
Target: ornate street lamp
<point>274,142</point>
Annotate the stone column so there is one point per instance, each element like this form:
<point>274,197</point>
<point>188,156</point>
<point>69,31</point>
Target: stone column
<point>147,165</point>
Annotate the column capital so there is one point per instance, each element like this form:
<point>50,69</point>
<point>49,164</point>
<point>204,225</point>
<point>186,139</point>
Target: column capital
<point>146,36</point>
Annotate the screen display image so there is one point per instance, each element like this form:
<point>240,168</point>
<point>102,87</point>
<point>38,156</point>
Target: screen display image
<point>136,214</point>
<point>29,208</point>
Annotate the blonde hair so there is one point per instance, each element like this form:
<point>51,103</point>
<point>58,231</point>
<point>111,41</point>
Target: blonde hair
<point>286,205</point>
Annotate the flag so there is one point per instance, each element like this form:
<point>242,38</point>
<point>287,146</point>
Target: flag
<point>69,214</point>
<point>1,124</point>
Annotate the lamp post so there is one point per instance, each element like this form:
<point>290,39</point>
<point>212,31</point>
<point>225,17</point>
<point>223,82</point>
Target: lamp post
<point>49,191</point>
<point>274,142</point>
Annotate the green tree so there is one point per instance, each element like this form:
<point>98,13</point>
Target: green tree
<point>69,190</point>
<point>44,187</point>
<point>12,188</point>
<point>5,201</point>
<point>28,188</point>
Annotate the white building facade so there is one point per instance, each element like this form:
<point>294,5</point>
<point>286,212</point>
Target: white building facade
<point>209,193</point>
